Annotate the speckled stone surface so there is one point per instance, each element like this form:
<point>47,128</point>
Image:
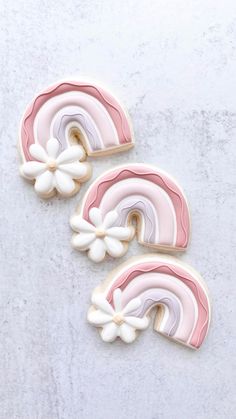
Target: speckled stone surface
<point>173,64</point>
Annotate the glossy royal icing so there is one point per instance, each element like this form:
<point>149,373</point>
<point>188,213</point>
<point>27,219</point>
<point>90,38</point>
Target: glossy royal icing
<point>124,302</point>
<point>140,191</point>
<point>72,113</point>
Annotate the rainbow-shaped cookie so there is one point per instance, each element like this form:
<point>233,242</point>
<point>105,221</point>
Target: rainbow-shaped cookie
<point>61,117</point>
<point>124,303</point>
<point>104,221</point>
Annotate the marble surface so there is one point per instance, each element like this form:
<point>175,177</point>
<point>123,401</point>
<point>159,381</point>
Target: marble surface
<point>173,64</point>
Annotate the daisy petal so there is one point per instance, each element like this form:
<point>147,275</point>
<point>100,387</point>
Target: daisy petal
<point>109,332</point>
<point>101,302</point>
<point>109,219</point>
<point>117,299</point>
<point>38,152</point>
<point>71,154</point>
<point>95,216</point>
<point>121,233</point>
<point>79,224</point>
<point>98,317</point>
<point>127,333</point>
<point>52,147</point>
<point>97,251</point>
<point>132,305</point>
<point>137,322</point>
<point>114,247</point>
<point>76,170</point>
<point>83,240</point>
<point>64,184</point>
<point>44,183</point>
<point>32,169</point>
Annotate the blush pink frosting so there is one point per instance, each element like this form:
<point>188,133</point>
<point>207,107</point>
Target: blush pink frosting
<point>164,213</point>
<point>201,327</point>
<point>151,282</point>
<point>99,188</point>
<point>105,98</point>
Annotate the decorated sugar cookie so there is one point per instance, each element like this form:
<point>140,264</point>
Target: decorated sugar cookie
<point>61,126</point>
<point>104,222</point>
<point>152,286</point>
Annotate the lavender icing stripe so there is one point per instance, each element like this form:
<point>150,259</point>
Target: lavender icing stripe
<point>75,114</point>
<point>140,204</point>
<point>153,297</point>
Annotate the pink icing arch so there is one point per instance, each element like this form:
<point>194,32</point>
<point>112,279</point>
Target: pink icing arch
<point>203,305</point>
<point>99,187</point>
<point>105,98</point>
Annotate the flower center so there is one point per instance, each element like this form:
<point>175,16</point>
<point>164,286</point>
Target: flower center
<point>100,233</point>
<point>118,319</point>
<point>52,165</point>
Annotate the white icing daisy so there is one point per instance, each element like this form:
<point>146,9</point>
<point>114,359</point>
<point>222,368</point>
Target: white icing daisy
<point>52,170</point>
<point>99,236</point>
<point>116,321</point>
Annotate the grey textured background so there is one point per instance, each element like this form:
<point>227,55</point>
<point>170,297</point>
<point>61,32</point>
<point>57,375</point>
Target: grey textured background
<point>173,64</point>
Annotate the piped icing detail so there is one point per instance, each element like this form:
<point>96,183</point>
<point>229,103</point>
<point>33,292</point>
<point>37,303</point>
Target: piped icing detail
<point>54,171</point>
<point>117,321</point>
<point>174,290</point>
<point>72,113</point>
<point>146,193</point>
<point>98,236</point>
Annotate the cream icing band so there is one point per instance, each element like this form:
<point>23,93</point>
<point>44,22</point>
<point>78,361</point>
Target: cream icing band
<point>153,197</point>
<point>173,289</point>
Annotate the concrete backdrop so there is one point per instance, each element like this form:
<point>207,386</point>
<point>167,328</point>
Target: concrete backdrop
<point>173,65</point>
